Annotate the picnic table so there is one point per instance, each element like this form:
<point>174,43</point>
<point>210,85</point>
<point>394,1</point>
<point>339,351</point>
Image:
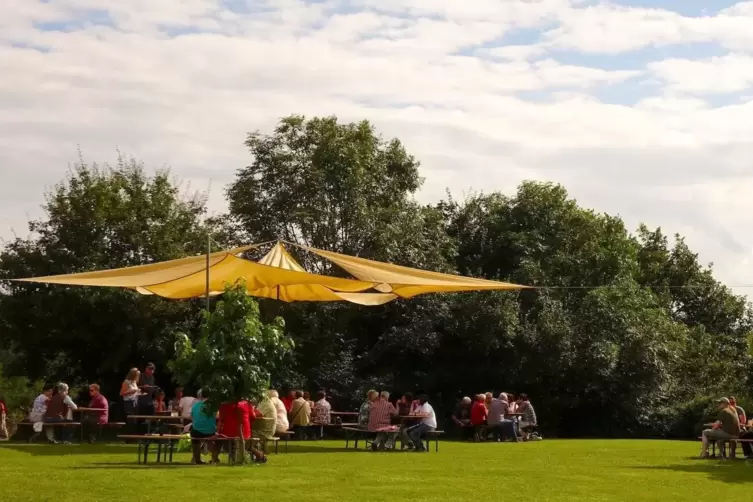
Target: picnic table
<point>83,411</point>
<point>155,418</point>
<point>165,445</point>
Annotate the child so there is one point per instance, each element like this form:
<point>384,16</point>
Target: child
<point>159,403</point>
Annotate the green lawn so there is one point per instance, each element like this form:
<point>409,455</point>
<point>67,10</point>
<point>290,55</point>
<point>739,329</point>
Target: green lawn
<point>556,470</point>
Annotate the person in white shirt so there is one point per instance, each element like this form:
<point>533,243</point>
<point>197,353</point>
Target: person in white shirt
<point>282,414</point>
<point>412,435</point>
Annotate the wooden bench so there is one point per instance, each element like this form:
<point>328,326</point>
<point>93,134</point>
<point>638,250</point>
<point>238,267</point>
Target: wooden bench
<point>46,425</point>
<point>283,436</point>
<point>355,434</point>
<point>722,446</point>
<point>164,442</point>
<point>433,435</point>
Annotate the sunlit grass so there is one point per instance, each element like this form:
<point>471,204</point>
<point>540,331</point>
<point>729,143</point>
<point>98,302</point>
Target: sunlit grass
<point>548,470</point>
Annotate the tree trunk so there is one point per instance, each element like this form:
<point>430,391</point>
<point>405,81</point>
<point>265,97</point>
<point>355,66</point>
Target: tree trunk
<point>241,440</point>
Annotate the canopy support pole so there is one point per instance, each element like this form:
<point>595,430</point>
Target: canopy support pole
<point>209,251</point>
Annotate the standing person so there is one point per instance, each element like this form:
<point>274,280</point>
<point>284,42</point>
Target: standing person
<point>129,391</point>
<point>727,426</point>
<point>412,436</point>
<point>282,425</point>
<point>97,401</point>
<point>320,415</point>
<point>380,421</point>
<point>478,418</point>
<point>365,409</point>
<point>204,425</point>
<point>58,408</point>
<point>300,415</point>
<point>149,390</point>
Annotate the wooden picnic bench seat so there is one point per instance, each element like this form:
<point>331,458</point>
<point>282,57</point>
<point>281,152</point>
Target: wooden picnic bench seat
<point>283,436</point>
<point>165,445</point>
<point>45,425</point>
<point>723,443</point>
<point>355,434</point>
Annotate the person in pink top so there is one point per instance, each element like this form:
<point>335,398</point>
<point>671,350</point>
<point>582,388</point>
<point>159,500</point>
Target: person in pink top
<point>94,419</point>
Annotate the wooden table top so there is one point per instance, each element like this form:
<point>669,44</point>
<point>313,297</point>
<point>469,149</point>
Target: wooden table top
<point>150,436</point>
<point>153,417</point>
<point>83,409</point>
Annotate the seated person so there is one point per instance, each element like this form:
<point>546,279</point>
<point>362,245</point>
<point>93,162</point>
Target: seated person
<point>528,419</point>
<point>204,425</point>
<point>738,409</point>
<point>381,412</point>
<point>461,416</point>
<point>230,426</point>
<point>412,436</point>
<point>266,426</point>
<point>160,406</point>
<point>320,415</point>
<point>300,415</point>
<point>365,409</point>
<point>281,420</point>
<point>98,401</point>
<point>59,409</point>
<point>478,417</point>
<point>500,426</point>
<point>727,426</point>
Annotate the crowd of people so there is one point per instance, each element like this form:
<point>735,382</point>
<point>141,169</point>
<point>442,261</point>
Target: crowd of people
<point>504,417</point>
<point>408,418</point>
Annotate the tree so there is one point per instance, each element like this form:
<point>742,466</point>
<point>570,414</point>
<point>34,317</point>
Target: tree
<point>344,188</point>
<point>235,355</point>
<point>98,217</point>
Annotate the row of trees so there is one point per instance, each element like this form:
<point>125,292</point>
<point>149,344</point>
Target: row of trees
<point>628,329</point>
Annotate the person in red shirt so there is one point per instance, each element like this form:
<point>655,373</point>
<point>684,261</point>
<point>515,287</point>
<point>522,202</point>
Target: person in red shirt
<point>237,417</point>
<point>98,401</point>
<point>288,400</point>
<point>478,417</point>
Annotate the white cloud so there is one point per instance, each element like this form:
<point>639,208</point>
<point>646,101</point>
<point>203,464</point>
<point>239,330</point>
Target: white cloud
<point>479,114</point>
<point>727,74</point>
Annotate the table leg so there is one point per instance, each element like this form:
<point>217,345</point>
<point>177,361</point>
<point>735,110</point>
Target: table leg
<point>172,448</point>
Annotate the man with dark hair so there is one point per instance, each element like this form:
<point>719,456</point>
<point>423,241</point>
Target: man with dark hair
<point>412,437</point>
<point>146,400</point>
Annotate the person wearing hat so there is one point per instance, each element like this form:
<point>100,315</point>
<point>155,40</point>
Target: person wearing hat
<point>727,426</point>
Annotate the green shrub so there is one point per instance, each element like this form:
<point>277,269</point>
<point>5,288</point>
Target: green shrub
<point>18,394</point>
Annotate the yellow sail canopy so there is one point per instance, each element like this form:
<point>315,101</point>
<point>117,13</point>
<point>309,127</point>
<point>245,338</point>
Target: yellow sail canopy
<point>186,278</point>
<point>278,256</point>
<point>277,275</point>
<point>407,282</point>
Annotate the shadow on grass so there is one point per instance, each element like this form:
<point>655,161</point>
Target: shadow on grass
<point>304,448</point>
<point>41,449</point>
<point>726,471</point>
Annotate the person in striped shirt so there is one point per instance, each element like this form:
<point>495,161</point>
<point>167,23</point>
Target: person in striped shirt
<point>380,421</point>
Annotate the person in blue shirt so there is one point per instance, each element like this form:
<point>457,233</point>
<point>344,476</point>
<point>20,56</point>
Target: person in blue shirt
<point>204,425</point>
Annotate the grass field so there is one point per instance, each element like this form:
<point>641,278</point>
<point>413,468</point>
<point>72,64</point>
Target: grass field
<point>556,470</point>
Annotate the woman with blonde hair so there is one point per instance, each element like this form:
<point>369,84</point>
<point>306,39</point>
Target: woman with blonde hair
<point>130,391</point>
<point>488,397</point>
